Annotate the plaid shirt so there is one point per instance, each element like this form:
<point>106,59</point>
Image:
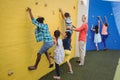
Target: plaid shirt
<point>41,32</point>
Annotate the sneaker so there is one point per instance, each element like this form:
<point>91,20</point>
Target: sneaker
<point>105,49</point>
<point>56,77</point>
<point>77,61</point>
<point>32,68</point>
<point>51,65</point>
<point>80,64</point>
<point>70,72</point>
<point>97,49</point>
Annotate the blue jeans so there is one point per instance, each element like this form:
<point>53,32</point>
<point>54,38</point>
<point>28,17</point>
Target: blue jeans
<point>104,37</point>
<point>45,47</point>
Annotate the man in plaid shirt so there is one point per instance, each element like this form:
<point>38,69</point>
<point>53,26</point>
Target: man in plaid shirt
<point>42,34</point>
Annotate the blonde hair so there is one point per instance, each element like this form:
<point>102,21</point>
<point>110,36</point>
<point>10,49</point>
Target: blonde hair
<point>83,16</point>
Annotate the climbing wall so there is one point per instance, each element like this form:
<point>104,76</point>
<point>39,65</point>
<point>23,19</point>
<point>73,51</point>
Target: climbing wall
<point>18,47</point>
<point>110,9</point>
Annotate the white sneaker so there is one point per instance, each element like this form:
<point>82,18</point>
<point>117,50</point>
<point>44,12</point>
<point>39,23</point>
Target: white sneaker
<point>70,72</point>
<point>56,77</point>
<point>80,64</point>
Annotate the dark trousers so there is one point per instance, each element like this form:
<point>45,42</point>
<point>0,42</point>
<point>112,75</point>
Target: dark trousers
<point>57,68</point>
<point>104,37</point>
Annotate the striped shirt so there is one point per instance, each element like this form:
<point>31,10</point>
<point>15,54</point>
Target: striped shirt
<point>41,32</point>
<point>68,22</point>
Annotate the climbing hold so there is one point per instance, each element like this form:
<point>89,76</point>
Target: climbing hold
<point>36,3</point>
<point>10,72</point>
<point>92,16</point>
<point>53,12</point>
<point>45,5</point>
<point>73,7</point>
<point>111,14</point>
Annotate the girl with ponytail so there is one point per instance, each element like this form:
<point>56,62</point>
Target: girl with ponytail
<point>58,53</point>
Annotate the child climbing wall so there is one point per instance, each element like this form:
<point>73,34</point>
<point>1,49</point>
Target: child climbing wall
<point>110,9</point>
<point>17,40</point>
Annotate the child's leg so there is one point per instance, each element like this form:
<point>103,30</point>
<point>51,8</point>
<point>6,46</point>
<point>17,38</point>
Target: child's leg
<point>69,67</point>
<point>37,60</point>
<point>96,44</point>
<point>67,58</point>
<point>47,45</point>
<point>49,60</point>
<point>51,56</point>
<point>36,63</point>
<point>104,37</point>
<point>57,68</point>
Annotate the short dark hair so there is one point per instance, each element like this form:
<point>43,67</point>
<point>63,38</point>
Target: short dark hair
<point>68,34</point>
<point>67,14</point>
<point>106,24</point>
<point>40,19</point>
<point>96,29</point>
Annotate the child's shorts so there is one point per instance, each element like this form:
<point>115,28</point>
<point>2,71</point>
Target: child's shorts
<point>45,47</point>
<point>67,55</point>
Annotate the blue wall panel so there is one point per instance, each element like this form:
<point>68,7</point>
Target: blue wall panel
<point>111,11</point>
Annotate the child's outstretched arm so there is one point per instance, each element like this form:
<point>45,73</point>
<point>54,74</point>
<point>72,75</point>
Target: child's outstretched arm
<point>63,34</point>
<point>60,10</point>
<point>30,13</point>
<point>54,40</point>
<point>98,24</point>
<point>99,18</point>
<point>106,20</point>
<point>92,28</point>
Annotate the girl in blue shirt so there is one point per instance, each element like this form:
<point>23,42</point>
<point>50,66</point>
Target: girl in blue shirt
<point>67,48</point>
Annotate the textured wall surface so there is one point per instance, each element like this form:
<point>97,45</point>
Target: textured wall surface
<point>110,9</point>
<point>18,46</point>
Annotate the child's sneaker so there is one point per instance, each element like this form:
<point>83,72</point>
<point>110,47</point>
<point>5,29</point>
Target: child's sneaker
<point>81,64</point>
<point>56,77</point>
<point>32,68</point>
<point>70,72</point>
<point>51,65</point>
<point>77,61</point>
